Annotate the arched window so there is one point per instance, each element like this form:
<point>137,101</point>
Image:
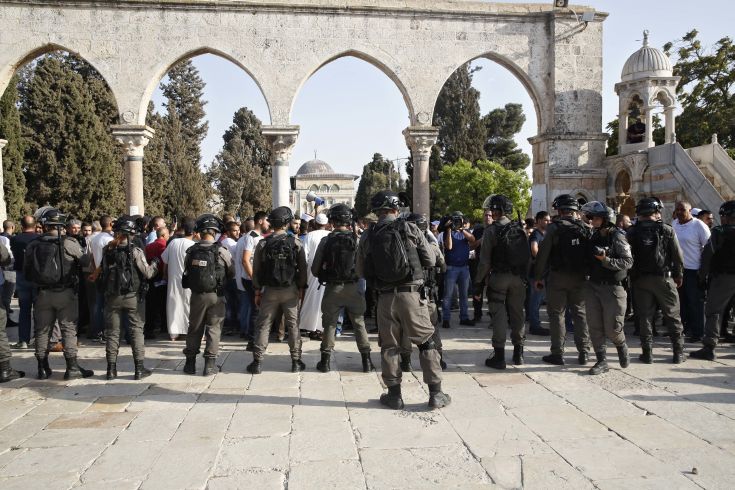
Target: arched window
<point>324,188</point>
<point>335,188</point>
<point>314,188</point>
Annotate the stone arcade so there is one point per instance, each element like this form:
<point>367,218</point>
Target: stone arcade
<point>418,44</point>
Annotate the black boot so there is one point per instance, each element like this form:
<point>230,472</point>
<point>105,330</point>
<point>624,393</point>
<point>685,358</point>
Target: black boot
<point>707,353</point>
<point>556,359</point>
<point>518,355</point>
<point>44,368</point>
<point>583,357</point>
<point>191,365</point>
<point>254,367</point>
<point>141,371</point>
<point>497,361</point>
<point>297,365</point>
<point>208,366</point>
<point>74,370</point>
<point>393,398</point>
<point>437,398</point>
<point>647,356</point>
<point>623,357</point>
<point>323,365</point>
<point>7,373</point>
<point>111,370</point>
<point>601,364</point>
<point>406,362</point>
<point>679,356</point>
<point>367,363</point>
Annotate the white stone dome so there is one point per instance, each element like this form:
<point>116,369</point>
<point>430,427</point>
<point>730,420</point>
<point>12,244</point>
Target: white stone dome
<point>315,166</point>
<point>647,62</point>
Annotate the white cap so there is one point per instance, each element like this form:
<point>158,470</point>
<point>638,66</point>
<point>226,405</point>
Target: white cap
<point>321,219</point>
<point>696,211</point>
<point>306,217</point>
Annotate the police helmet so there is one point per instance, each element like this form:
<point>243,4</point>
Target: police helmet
<point>727,209</point>
<point>486,202</point>
<point>208,222</point>
<point>498,202</point>
<point>125,224</point>
<point>597,209</point>
<point>648,206</point>
<point>48,216</point>
<point>419,219</point>
<point>340,213</point>
<point>385,200</point>
<point>281,216</point>
<point>565,202</point>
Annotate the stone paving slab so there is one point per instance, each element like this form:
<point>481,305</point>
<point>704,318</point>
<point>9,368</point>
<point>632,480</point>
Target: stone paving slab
<point>531,426</point>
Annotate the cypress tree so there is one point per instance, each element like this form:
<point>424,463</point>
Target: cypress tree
<point>187,193</point>
<point>374,179</point>
<point>156,175</point>
<point>10,129</point>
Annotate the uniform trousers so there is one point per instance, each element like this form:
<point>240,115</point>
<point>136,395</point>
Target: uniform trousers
<point>506,293</point>
<point>276,304</point>
<point>52,305</point>
<point>119,307</point>
<point>605,306</point>
<point>650,291</point>
<point>565,295</point>
<point>337,296</point>
<point>206,315</point>
<point>720,293</point>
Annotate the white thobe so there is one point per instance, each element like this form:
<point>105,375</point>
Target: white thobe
<point>311,311</point>
<point>177,300</point>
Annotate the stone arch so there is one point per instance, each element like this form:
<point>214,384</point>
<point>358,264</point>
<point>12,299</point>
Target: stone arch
<point>334,188</point>
<point>163,67</point>
<point>314,188</point>
<point>370,59</point>
<point>324,188</point>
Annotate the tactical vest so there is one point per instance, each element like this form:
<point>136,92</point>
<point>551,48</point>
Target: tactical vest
<point>50,265</point>
<point>649,241</point>
<point>723,260</point>
<point>390,251</point>
<point>597,272</point>
<point>570,246</point>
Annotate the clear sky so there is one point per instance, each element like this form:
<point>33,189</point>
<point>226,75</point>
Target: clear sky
<point>349,109</point>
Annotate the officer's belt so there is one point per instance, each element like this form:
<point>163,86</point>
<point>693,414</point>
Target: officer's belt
<point>607,283</point>
<point>401,289</point>
<point>655,274</point>
<point>56,289</point>
<point>341,283</point>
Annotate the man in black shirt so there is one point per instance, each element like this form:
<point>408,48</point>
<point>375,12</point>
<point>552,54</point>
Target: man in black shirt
<point>26,291</point>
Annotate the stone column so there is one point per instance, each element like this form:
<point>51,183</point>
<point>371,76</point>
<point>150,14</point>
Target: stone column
<point>3,207</point>
<point>649,127</point>
<point>133,138</point>
<point>420,139</point>
<point>281,140</point>
<point>670,122</point>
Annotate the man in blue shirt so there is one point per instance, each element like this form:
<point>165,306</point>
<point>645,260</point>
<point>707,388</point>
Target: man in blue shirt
<point>457,241</point>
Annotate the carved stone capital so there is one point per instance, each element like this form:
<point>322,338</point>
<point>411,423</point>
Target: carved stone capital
<point>5,142</point>
<point>281,140</point>
<point>420,139</point>
<point>133,138</point>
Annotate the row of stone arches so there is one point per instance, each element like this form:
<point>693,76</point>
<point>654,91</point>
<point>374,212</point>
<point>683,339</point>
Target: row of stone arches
<point>324,188</point>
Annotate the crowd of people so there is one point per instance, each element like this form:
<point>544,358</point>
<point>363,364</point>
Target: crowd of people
<point>285,276</point>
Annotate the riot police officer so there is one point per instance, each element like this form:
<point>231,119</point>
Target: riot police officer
<point>718,267</point>
<point>656,274</point>
<point>57,295</point>
<point>504,260</point>
<point>608,261</point>
<point>7,373</point>
<point>334,266</point>
<point>391,257</point>
<point>125,272</point>
<point>560,254</point>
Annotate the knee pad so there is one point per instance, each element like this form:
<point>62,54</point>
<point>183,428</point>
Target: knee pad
<point>428,345</point>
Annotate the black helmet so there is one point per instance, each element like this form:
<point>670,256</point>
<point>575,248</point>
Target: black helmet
<point>419,219</point>
<point>124,224</point>
<point>565,202</point>
<point>280,216</point>
<point>340,213</point>
<point>727,208</point>
<point>49,216</point>
<point>208,222</point>
<point>385,200</point>
<point>648,206</point>
<point>499,202</point>
<point>597,209</point>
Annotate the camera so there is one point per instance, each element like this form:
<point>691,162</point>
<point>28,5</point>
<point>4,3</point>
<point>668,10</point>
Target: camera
<point>597,251</point>
<point>457,223</point>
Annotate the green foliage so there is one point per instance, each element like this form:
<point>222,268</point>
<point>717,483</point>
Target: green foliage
<point>184,91</point>
<point>502,125</point>
<point>10,130</point>
<point>705,91</point>
<point>241,172</point>
<point>464,186</point>
<point>613,128</point>
<point>187,191</point>
<point>156,175</point>
<point>70,158</point>
<point>374,179</point>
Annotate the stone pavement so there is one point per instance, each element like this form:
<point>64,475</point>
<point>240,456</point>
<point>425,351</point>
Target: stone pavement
<point>537,426</point>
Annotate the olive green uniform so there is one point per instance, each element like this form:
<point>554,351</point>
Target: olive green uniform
<point>339,295</point>
<point>133,306</point>
<point>278,301</point>
<point>717,263</point>
<point>564,290</point>
<point>207,312</point>
<point>402,311</point>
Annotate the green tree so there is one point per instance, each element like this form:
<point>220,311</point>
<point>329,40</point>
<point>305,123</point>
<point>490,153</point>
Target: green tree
<point>375,177</point>
<point>706,90</point>
<point>502,125</point>
<point>187,192</point>
<point>156,175</point>
<point>464,186</point>
<point>241,171</point>
<point>71,160</point>
<point>613,128</point>
<point>10,130</point>
<point>184,90</point>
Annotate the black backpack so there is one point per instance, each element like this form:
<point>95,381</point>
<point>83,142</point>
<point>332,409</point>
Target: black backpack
<point>723,260</point>
<point>649,248</point>
<point>571,246</point>
<point>512,252</point>
<point>338,264</point>
<point>279,264</point>
<point>49,265</point>
<point>203,271</point>
<point>120,276</point>
<point>391,259</point>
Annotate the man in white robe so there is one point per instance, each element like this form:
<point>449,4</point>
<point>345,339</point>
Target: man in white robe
<point>311,309</point>
<point>177,303</point>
